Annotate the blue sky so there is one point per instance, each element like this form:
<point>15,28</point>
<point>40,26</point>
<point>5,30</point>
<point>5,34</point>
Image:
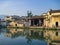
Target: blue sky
<point>20,7</point>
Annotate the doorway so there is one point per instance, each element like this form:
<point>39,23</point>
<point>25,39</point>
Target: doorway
<point>36,22</point>
<point>56,24</point>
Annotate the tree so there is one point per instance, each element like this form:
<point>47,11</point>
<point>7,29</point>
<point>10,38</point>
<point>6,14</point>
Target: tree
<point>29,14</point>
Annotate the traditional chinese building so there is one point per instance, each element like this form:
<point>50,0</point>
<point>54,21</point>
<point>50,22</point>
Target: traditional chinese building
<point>52,18</point>
<point>36,21</point>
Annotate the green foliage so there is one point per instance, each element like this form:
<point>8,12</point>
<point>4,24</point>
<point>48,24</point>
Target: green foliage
<point>29,14</point>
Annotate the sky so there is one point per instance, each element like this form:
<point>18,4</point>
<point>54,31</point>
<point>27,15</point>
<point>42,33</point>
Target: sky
<point>20,7</point>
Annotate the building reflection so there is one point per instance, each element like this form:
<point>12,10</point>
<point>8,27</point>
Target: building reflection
<point>29,34</point>
<point>34,34</point>
<point>14,33</point>
<point>52,37</point>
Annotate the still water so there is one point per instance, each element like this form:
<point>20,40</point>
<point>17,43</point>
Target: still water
<point>29,37</point>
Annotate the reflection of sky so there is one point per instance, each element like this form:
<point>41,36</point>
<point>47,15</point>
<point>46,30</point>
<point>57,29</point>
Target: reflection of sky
<point>20,7</point>
<point>21,40</point>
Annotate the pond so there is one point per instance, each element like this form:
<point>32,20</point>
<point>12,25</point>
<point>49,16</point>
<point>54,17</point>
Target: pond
<point>29,37</point>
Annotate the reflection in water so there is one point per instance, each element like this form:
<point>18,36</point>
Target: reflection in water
<point>34,34</point>
<point>31,37</point>
<point>52,37</point>
<point>13,33</point>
